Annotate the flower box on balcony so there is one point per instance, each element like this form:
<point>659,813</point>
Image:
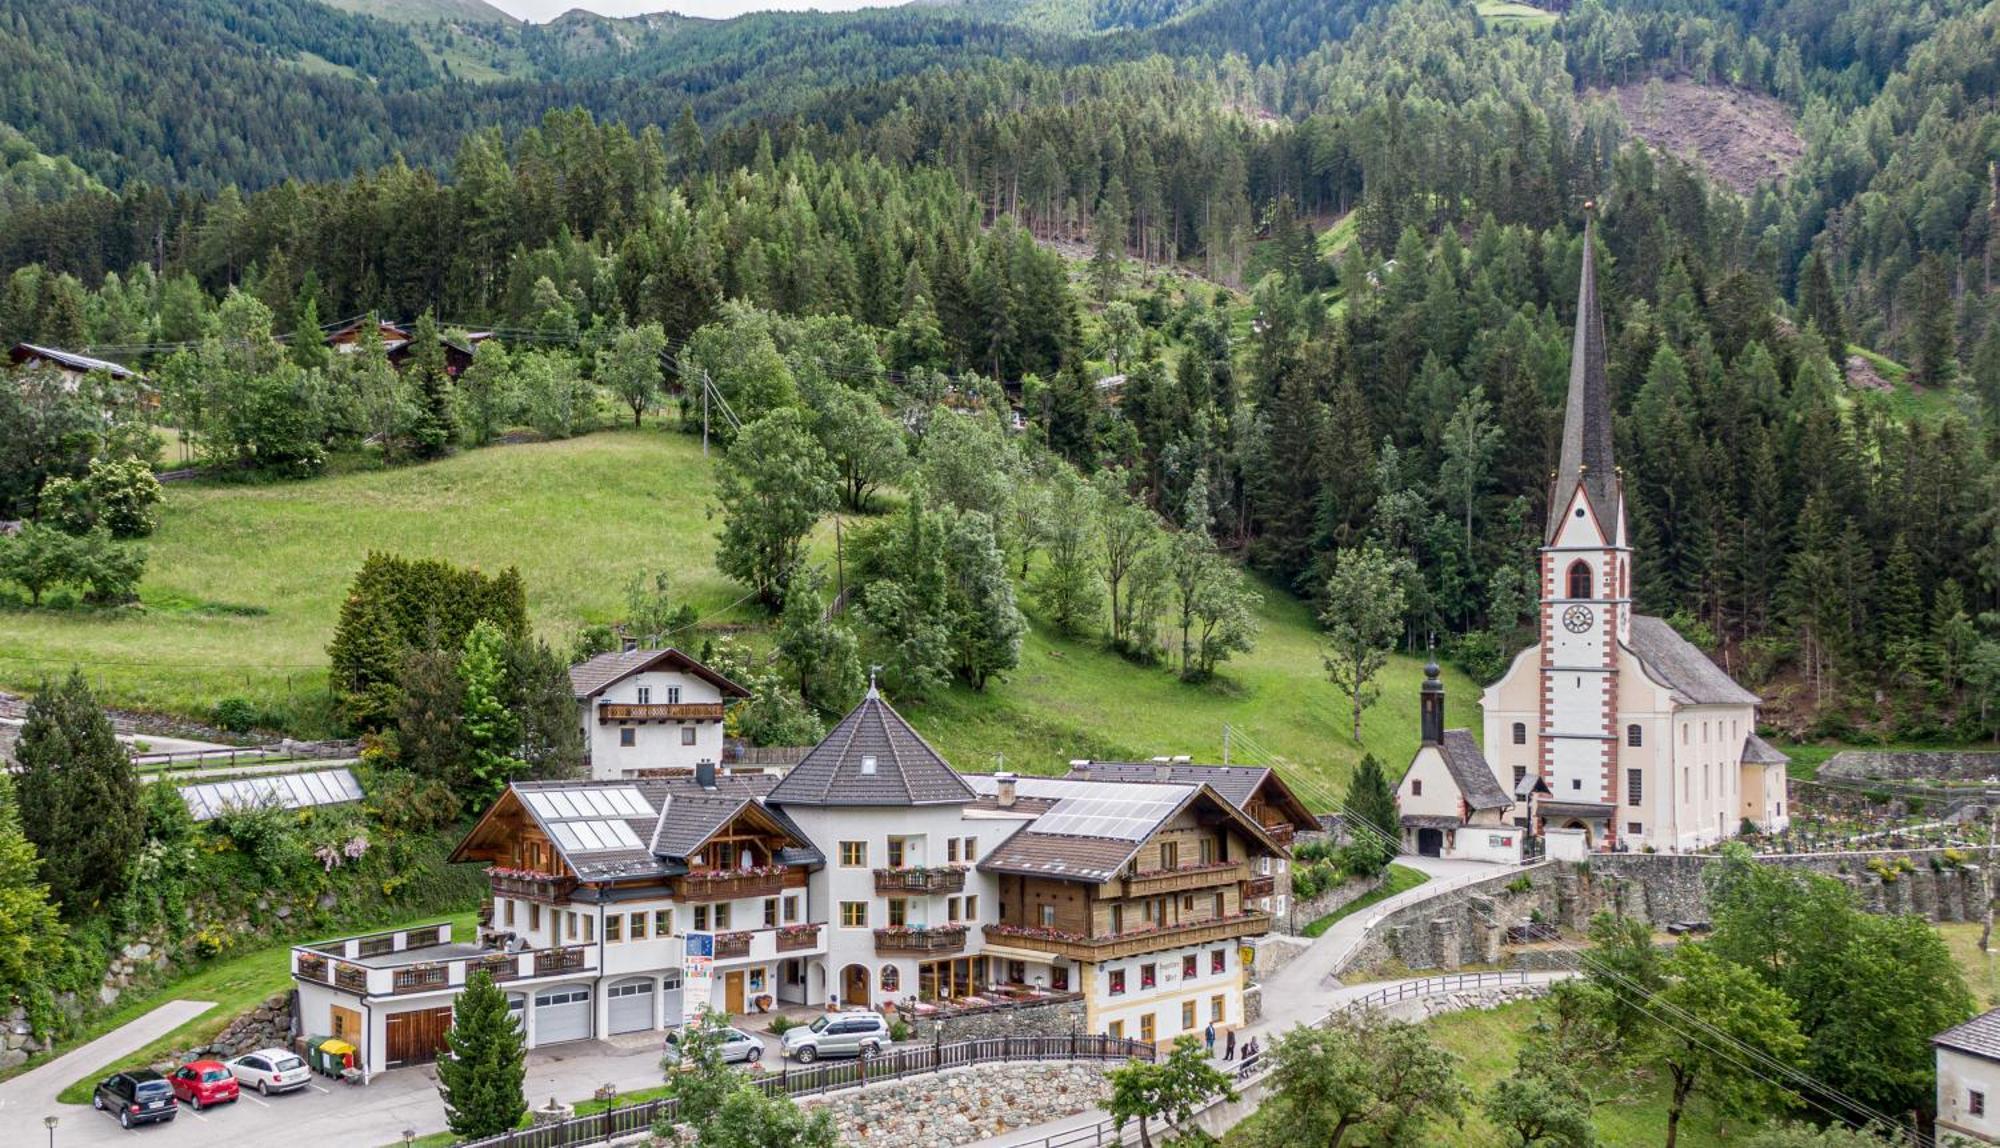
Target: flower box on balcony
<point>918,879</point>
<point>730,946</point>
<point>920,939</point>
<point>729,884</point>
<point>353,978</point>
<point>792,938</point>
<point>312,968</point>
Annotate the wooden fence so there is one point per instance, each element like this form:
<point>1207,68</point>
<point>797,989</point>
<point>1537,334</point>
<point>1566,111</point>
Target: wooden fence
<point>907,1061</point>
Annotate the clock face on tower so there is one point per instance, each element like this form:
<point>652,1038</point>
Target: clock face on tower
<point>1577,619</point>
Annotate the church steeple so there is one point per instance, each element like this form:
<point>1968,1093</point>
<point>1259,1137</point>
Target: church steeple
<point>1586,441</point>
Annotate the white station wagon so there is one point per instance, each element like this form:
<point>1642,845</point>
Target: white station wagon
<point>270,1070</point>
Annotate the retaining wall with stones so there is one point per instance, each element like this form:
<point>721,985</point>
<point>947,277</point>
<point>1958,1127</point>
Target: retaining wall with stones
<point>1467,926</point>
<point>1911,765</point>
<point>1059,1019</point>
<point>1299,913</point>
<point>965,1105</point>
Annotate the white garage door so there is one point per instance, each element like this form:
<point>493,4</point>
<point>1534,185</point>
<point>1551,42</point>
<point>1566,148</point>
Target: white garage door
<point>631,1005</point>
<point>562,1014</point>
<point>670,990</point>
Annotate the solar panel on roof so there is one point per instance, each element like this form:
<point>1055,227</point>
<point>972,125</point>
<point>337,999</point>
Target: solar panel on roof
<point>593,836</point>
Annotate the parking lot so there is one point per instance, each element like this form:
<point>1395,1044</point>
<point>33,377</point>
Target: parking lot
<point>328,1111</point>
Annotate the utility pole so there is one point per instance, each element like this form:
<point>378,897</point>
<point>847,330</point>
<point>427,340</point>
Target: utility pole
<point>1225,743</point>
<point>704,414</point>
<point>839,566</point>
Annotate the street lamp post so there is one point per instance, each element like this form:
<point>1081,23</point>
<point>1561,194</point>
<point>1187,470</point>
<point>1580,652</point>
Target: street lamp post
<point>409,1136</point>
<point>49,1122</point>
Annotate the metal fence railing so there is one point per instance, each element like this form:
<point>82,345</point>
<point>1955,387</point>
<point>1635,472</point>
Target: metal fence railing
<point>631,1119</point>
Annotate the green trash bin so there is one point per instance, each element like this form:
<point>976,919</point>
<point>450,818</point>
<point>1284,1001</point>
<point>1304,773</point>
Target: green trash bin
<point>316,1056</point>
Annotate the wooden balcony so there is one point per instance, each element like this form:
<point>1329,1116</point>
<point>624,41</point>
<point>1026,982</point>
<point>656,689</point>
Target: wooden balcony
<point>1260,887</point>
<point>550,961</point>
<point>1128,944</point>
<point>353,978</point>
<point>731,946</point>
<point>547,888</point>
<point>684,711</point>
<point>1154,882</point>
<point>932,939</point>
<point>948,879</point>
<point>421,979</point>
<point>795,939</point>
<point>730,884</point>
<point>1282,833</point>
<point>499,966</point>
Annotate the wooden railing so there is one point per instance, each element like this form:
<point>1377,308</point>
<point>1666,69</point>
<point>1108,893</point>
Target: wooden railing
<point>353,978</point>
<point>726,885</point>
<point>546,888</point>
<point>684,711</point>
<point>1282,833</point>
<point>311,967</point>
<point>905,1061</point>
<point>731,946</point>
<point>500,966</point>
<point>549,961</point>
<point>1129,943</point>
<point>1262,886</point>
<point>421,979</point>
<point>949,879</point>
<point>933,939</point>
<point>1154,882</point>
<point>794,940</point>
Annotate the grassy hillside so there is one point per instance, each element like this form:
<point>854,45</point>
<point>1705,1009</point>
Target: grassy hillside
<point>428,11</point>
<point>245,583</point>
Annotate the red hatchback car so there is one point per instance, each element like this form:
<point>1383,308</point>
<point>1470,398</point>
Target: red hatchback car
<point>201,1083</point>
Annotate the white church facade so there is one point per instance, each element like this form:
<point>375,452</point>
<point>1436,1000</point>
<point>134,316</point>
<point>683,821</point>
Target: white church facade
<point>1612,731</point>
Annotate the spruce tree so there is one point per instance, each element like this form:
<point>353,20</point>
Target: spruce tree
<point>482,1074</point>
<point>1371,802</point>
<point>491,730</point>
<point>435,427</point>
<point>1820,306</point>
<point>78,795</point>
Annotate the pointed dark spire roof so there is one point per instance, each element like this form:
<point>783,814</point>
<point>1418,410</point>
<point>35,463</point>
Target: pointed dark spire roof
<point>872,757</point>
<point>1586,442</point>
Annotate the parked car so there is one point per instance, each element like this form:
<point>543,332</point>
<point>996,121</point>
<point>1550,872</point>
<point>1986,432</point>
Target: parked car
<point>837,1034</point>
<point>737,1045</point>
<point>270,1070</point>
<point>140,1096</point>
<point>200,1083</point>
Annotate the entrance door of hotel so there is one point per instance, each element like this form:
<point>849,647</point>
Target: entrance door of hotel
<point>854,987</point>
<point>732,993</point>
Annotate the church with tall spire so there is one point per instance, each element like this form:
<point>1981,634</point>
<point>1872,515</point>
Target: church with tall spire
<point>1611,731</point>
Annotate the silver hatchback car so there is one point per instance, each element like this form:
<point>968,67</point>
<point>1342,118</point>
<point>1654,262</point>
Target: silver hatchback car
<point>737,1045</point>
<point>838,1034</point>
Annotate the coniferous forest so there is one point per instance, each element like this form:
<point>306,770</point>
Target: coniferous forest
<point>1329,250</point>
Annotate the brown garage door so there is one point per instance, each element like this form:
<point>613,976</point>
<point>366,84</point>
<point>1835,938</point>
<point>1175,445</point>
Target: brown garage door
<point>415,1037</point>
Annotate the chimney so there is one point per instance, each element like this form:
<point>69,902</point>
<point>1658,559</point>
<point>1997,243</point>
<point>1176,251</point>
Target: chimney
<point>704,774</point>
<point>1431,705</point>
<point>628,644</point>
<point>1004,796</point>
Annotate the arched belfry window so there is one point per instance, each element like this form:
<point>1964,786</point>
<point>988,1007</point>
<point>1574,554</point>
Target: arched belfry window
<point>1579,579</point>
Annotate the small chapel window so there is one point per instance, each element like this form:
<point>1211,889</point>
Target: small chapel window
<point>1520,733</point>
<point>1579,579</point>
<point>1634,736</point>
<point>1416,788</point>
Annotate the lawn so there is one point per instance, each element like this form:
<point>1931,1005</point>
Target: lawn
<point>1509,14</point>
<point>1981,969</point>
<point>236,985</point>
<point>245,583</point>
<point>1401,879</point>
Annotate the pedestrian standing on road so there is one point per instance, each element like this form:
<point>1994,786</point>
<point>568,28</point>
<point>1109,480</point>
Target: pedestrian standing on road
<point>1229,1046</point>
<point>1209,1036</point>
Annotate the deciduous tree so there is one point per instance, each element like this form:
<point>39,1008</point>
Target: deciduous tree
<point>1363,616</point>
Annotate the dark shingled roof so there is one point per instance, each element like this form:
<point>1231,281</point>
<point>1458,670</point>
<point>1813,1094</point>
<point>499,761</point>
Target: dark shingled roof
<point>1586,440</point>
<point>1757,751</point>
<point>588,679</point>
<point>1059,855</point>
<point>1582,809</point>
<point>872,757</point>
<point>1675,663</point>
<point>1979,1036</point>
<point>1429,821</point>
<point>1469,770</point>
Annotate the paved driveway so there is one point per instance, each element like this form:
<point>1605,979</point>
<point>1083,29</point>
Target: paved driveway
<point>326,1112</point>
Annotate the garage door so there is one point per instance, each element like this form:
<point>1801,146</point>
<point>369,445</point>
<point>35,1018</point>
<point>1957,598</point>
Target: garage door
<point>670,991</point>
<point>631,1005</point>
<point>415,1037</point>
<point>562,1014</point>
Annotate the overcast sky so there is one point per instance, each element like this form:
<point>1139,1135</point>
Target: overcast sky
<point>540,10</point>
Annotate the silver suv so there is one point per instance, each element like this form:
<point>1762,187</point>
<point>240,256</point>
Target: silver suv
<point>837,1034</point>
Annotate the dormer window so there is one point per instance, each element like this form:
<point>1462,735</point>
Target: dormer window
<point>868,763</point>
<point>1579,579</point>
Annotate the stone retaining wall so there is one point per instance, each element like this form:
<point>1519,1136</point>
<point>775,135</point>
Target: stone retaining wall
<point>1664,889</point>
<point>1924,765</point>
<point>965,1105</point>
<point>1059,1019</point>
<point>1299,914</point>
<point>1467,925</point>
